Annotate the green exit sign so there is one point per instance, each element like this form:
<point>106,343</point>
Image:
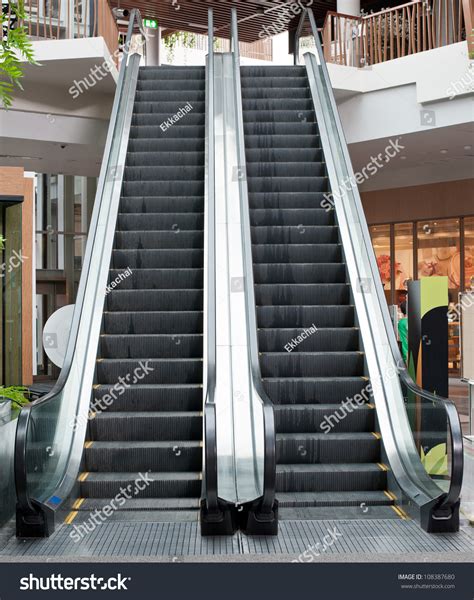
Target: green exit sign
<point>151,23</point>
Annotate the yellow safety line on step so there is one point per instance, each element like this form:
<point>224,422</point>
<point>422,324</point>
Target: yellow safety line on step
<point>370,405</point>
<point>399,512</point>
<point>83,476</point>
<point>96,386</point>
<point>78,503</point>
<point>382,466</point>
<point>88,444</point>
<point>388,495</point>
<point>70,518</point>
<point>376,435</point>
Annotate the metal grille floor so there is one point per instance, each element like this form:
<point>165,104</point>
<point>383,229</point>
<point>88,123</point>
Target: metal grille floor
<point>378,537</point>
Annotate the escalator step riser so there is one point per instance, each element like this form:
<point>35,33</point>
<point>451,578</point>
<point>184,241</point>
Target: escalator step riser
<point>268,217</point>
<point>181,97</point>
<point>302,294</point>
<point>336,481</point>
<point>284,93</point>
<point>287,184</point>
<point>107,427</point>
<point>164,159</point>
<point>148,399</point>
<point>166,145</point>
<point>171,72</point>
<point>163,173</point>
<point>175,457</point>
<point>269,82</point>
<point>305,316</point>
<point>155,279</point>
<point>280,116</point>
<point>172,85</point>
<point>135,301</point>
<point>268,129</point>
<point>297,253</point>
<point>158,346</point>
<point>162,204</point>
<point>295,234</point>
<point>299,273</point>
<point>273,71</point>
<point>164,371</point>
<point>165,188</point>
<point>148,259</point>
<point>301,419</point>
<point>285,169</point>
<point>160,222</point>
<point>283,155</point>
<point>157,489</point>
<point>289,140</point>
<point>296,364</point>
<point>326,391</point>
<point>156,119</point>
<point>293,104</point>
<point>160,240</point>
<point>167,107</point>
<point>177,131</point>
<point>153,322</point>
<point>303,450</point>
<point>332,340</point>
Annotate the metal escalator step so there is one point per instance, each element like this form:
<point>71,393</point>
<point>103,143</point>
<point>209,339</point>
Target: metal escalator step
<point>283,155</point>
<point>340,417</point>
<point>299,273</point>
<point>146,426</point>
<point>323,339</point>
<point>185,258</point>
<point>149,370</point>
<point>268,82</point>
<point>166,300</point>
<point>180,96</point>
<point>165,159</point>
<point>155,485</point>
<point>146,505</point>
<point>280,115</point>
<point>285,169</point>
<point>312,364</point>
<point>297,253</point>
<point>174,455</point>
<point>173,73</point>
<point>170,321</point>
<point>263,128</point>
<point>317,390</point>
<point>283,92</point>
<point>159,239</point>
<point>162,204</point>
<point>166,188</point>
<point>174,85</point>
<point>273,71</point>
<point>166,145</point>
<point>178,130</point>
<point>157,119</point>
<point>152,346</point>
<point>299,217</point>
<point>153,279</point>
<point>299,294</point>
<point>294,104</point>
<point>288,140</point>
<point>323,448</point>
<point>160,221</point>
<point>143,398</point>
<point>357,499</point>
<point>341,477</point>
<point>305,316</point>
<point>169,107</point>
<point>163,173</point>
<point>295,234</point>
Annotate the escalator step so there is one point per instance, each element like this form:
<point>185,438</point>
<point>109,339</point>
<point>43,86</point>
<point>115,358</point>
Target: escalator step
<point>166,300</point>
<point>291,216</point>
<point>162,204</point>
<point>159,74</point>
<point>171,321</point>
<point>297,253</point>
<point>293,104</point>
<point>288,184</point>
<point>295,234</point>
<point>299,294</point>
<point>162,456</point>
<point>153,279</point>
<point>273,70</point>
<point>161,159</point>
<point>358,499</point>
<point>305,316</point>
<point>312,364</point>
<point>146,426</point>
<point>169,107</point>
<point>158,118</point>
<point>166,188</point>
<point>317,390</point>
<point>160,221</point>
<point>281,115</point>
<point>284,92</point>
<point>166,145</point>
<point>322,448</point>
<point>283,155</point>
<point>330,478</point>
<point>178,131</point>
<point>263,128</point>
<point>149,370</point>
<point>143,398</point>
<point>299,273</point>
<point>171,258</point>
<point>325,418</point>
<point>281,169</point>
<point>180,96</point>
<point>159,239</point>
<point>288,139</point>
<point>330,340</point>
<point>152,346</point>
<point>155,485</point>
<point>172,85</point>
<point>270,82</point>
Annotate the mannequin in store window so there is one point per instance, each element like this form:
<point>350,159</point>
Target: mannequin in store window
<point>403,330</point>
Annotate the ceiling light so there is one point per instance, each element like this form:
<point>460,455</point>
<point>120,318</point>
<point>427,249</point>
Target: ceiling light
<point>443,151</point>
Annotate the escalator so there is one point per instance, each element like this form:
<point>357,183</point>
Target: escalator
<point>326,455</point>
<point>152,326</point>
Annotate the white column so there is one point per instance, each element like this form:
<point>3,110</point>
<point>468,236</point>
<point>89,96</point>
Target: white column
<point>348,7</point>
<point>153,46</point>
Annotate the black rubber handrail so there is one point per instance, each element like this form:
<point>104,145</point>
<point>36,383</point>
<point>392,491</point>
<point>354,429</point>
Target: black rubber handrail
<point>25,504</point>
<point>451,498</point>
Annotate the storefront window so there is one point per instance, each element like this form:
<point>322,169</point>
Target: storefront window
<point>403,258</point>
<point>381,242</point>
<point>439,252</point>
<point>469,252</point>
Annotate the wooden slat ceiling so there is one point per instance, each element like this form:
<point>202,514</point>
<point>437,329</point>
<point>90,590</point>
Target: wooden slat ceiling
<point>253,15</point>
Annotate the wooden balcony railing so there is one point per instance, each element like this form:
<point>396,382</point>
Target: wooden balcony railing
<point>393,33</point>
<point>67,19</point>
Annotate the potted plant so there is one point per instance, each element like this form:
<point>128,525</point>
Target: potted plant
<point>12,398</point>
